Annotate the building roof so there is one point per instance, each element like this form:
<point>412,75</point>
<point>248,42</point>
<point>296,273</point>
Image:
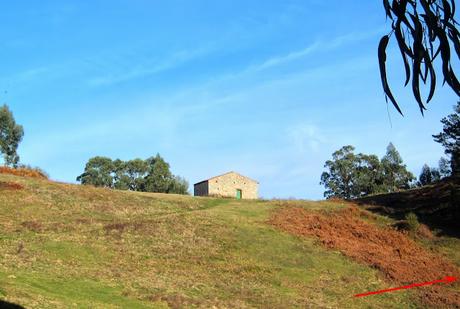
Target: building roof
<point>231,172</point>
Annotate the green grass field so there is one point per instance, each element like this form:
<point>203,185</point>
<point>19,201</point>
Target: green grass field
<point>73,246</point>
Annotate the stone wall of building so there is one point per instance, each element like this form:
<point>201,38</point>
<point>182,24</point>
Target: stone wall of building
<point>201,189</point>
<point>228,184</point>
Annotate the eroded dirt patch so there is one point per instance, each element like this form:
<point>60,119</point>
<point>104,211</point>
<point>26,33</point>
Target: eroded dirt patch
<point>397,256</point>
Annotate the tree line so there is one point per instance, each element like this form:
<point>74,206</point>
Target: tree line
<point>351,175</point>
<point>150,175</point>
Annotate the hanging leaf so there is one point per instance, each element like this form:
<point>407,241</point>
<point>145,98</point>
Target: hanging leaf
<point>432,77</point>
<point>447,12</point>
<point>403,49</point>
<point>454,38</point>
<point>383,74</point>
<point>387,7</point>
<point>415,81</point>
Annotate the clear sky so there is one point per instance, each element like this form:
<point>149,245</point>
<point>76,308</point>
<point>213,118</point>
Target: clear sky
<point>265,88</point>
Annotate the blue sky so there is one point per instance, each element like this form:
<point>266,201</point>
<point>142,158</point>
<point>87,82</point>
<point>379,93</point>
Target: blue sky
<point>266,88</point>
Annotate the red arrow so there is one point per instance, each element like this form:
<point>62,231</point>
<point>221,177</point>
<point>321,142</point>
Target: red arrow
<point>446,279</point>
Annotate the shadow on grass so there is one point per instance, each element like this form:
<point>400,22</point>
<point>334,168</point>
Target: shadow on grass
<point>8,305</point>
<point>436,205</point>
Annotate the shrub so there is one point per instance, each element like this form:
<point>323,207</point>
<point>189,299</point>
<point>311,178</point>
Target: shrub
<point>412,222</point>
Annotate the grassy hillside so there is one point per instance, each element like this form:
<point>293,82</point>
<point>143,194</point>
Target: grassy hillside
<point>73,246</point>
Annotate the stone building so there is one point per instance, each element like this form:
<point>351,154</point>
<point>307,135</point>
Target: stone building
<point>230,184</point>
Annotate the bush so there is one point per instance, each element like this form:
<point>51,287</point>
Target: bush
<point>412,222</point>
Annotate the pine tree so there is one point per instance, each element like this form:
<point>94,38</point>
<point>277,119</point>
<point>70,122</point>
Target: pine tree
<point>444,167</point>
<point>396,175</point>
<point>449,138</point>
<point>428,176</point>
<point>425,176</point>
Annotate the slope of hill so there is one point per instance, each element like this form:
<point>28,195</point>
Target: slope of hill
<point>68,245</point>
<point>437,205</point>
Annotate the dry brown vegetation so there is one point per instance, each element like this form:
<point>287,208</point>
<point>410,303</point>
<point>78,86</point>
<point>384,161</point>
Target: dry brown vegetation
<point>398,257</point>
<point>24,172</point>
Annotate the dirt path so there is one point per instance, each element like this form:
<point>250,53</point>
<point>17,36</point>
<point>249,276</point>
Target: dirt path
<point>395,254</point>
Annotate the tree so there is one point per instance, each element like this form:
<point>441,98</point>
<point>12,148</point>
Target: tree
<point>435,174</point>
<point>444,168</point>
<point>449,138</point>
<point>396,176</point>
<point>10,136</point>
<point>428,176</point>
<point>98,172</point>
<point>178,186</point>
<point>424,30</point>
<point>159,176</point>
<point>339,180</point>
<point>369,177</point>
<point>121,180</point>
<point>137,171</point>
<point>129,175</point>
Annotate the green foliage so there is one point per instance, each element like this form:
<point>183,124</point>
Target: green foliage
<point>351,176</point>
<point>449,138</point>
<point>179,185</point>
<point>428,176</point>
<point>338,181</point>
<point>130,175</point>
<point>136,170</point>
<point>10,136</point>
<point>368,176</point>
<point>151,175</point>
<point>412,222</point>
<point>425,176</point>
<point>396,176</point>
<point>159,177</point>
<point>98,172</point>
<point>121,179</point>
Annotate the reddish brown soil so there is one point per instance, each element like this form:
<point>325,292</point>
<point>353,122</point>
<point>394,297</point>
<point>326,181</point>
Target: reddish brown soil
<point>10,186</point>
<point>395,254</point>
<point>24,172</point>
